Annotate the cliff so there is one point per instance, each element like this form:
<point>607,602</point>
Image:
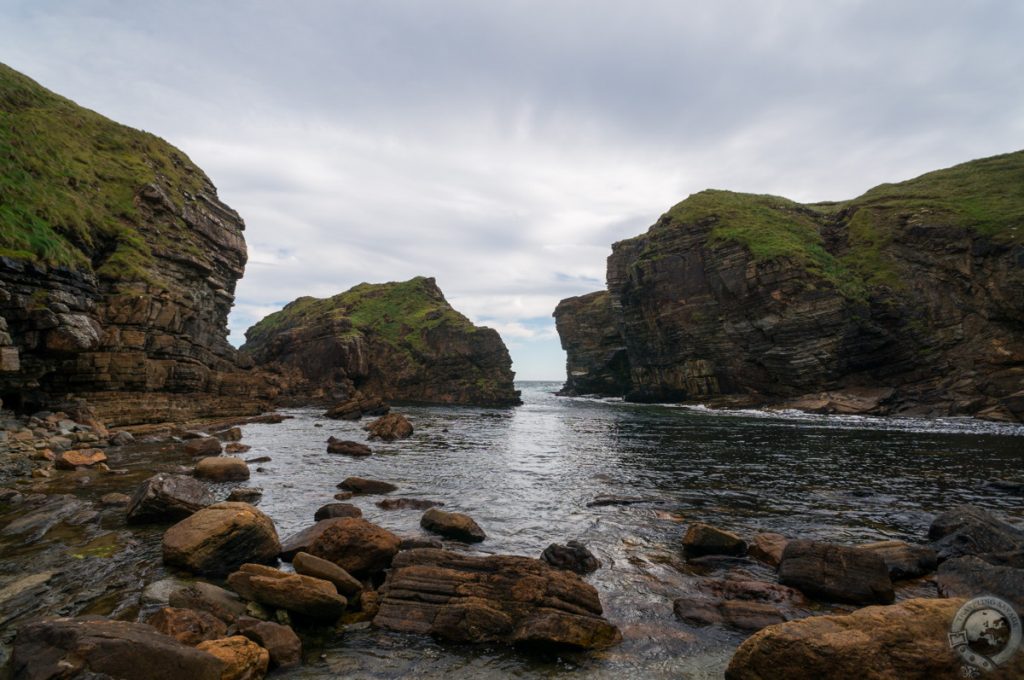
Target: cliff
<point>908,299</point>
<point>399,341</point>
<point>118,266</point>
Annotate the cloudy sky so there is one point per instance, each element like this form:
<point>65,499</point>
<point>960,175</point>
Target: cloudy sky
<point>501,147</point>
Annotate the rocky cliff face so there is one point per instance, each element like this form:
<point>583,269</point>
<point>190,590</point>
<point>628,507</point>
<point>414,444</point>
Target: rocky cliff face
<point>908,299</point>
<point>597,362</point>
<point>399,341</point>
<point>118,266</point>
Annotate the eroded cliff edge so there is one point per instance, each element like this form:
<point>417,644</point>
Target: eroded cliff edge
<point>118,266</point>
<point>908,299</point>
<point>399,341</point>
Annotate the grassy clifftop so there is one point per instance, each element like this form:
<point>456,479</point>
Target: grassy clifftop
<point>69,179</point>
<point>398,313</point>
<point>986,196</point>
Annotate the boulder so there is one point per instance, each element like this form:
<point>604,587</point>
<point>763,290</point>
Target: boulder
<point>972,577</point>
<point>235,447</point>
<point>281,642</point>
<point>246,494</point>
<point>203,446</point>
<point>69,460</point>
<point>232,434</point>
<point>168,498</point>
<point>190,626</point>
<point>390,427</point>
<point>207,597</point>
<point>739,603</point>
<point>406,504</point>
<point>969,530</point>
<point>348,448</point>
<point>311,565</point>
<point>414,542</point>
<point>332,510</point>
<point>496,598</point>
<point>121,438</point>
<point>836,573</point>
<point>96,647</point>
<point>573,556</point>
<point>366,486</point>
<point>307,596</point>
<point>343,495</point>
<point>904,640</point>
<point>218,539</point>
<point>452,525</point>
<point>222,469</point>
<point>704,539</point>
<point>243,659</point>
<point>767,547</point>
<point>355,545</point>
<point>904,560</point>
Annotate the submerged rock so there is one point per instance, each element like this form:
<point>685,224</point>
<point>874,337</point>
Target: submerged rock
<point>366,486</point>
<point>390,427</point>
<point>168,498</point>
<point>573,556</point>
<point>70,460</point>
<point>347,448</point>
<point>909,639</point>
<point>452,525</point>
<point>93,646</point>
<point>836,573</point>
<point>358,406</point>
<point>406,504</point>
<point>496,598</point>
<point>220,538</point>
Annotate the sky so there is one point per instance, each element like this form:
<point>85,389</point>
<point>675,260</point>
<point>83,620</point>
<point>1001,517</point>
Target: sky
<point>502,147</point>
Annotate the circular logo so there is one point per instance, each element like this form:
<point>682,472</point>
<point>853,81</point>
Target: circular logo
<point>986,631</point>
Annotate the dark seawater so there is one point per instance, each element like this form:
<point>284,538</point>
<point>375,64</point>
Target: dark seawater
<point>527,474</point>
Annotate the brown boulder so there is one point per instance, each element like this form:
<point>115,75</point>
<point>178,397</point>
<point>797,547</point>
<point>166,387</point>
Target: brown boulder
<point>189,626</point>
<point>203,446</point>
<point>908,639</point>
<point>311,597</point>
<point>452,525</point>
<point>222,469</point>
<point>207,597</point>
<point>390,427</point>
<point>220,538</point>
<point>333,510</point>
<point>972,577</point>
<point>168,498</point>
<point>573,556</point>
<point>969,530</point>
<point>348,448</point>
<point>767,547</point>
<point>281,642</point>
<point>235,447</point>
<point>366,486</point>
<point>69,460</point>
<point>355,545</point>
<point>704,539</point>
<point>495,598</point>
<point>904,560</point>
<point>246,494</point>
<point>311,565</point>
<point>836,573</point>
<point>243,659</point>
<point>739,603</point>
<point>95,647</point>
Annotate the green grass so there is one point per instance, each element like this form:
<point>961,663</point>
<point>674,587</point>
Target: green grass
<point>68,184</point>
<point>400,313</point>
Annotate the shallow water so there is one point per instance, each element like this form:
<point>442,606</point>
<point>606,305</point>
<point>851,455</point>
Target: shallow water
<point>527,474</point>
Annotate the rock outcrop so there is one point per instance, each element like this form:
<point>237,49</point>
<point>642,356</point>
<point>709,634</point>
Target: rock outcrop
<point>908,299</point>
<point>118,266</point>
<point>396,341</point>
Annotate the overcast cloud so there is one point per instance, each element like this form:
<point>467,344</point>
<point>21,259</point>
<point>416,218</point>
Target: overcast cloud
<point>503,146</point>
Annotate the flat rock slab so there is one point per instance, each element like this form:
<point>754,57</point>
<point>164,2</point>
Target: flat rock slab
<point>69,460</point>
<point>908,639</point>
<point>836,573</point>
<point>219,539</point>
<point>168,498</point>
<point>407,504</point>
<point>220,602</point>
<point>496,598</point>
<point>904,560</point>
<point>64,648</point>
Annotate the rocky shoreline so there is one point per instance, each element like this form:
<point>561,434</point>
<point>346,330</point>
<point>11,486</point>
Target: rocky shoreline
<point>228,605</point>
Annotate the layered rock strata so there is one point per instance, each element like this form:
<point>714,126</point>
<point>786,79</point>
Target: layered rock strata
<point>908,299</point>
<point>118,266</point>
<point>396,341</point>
